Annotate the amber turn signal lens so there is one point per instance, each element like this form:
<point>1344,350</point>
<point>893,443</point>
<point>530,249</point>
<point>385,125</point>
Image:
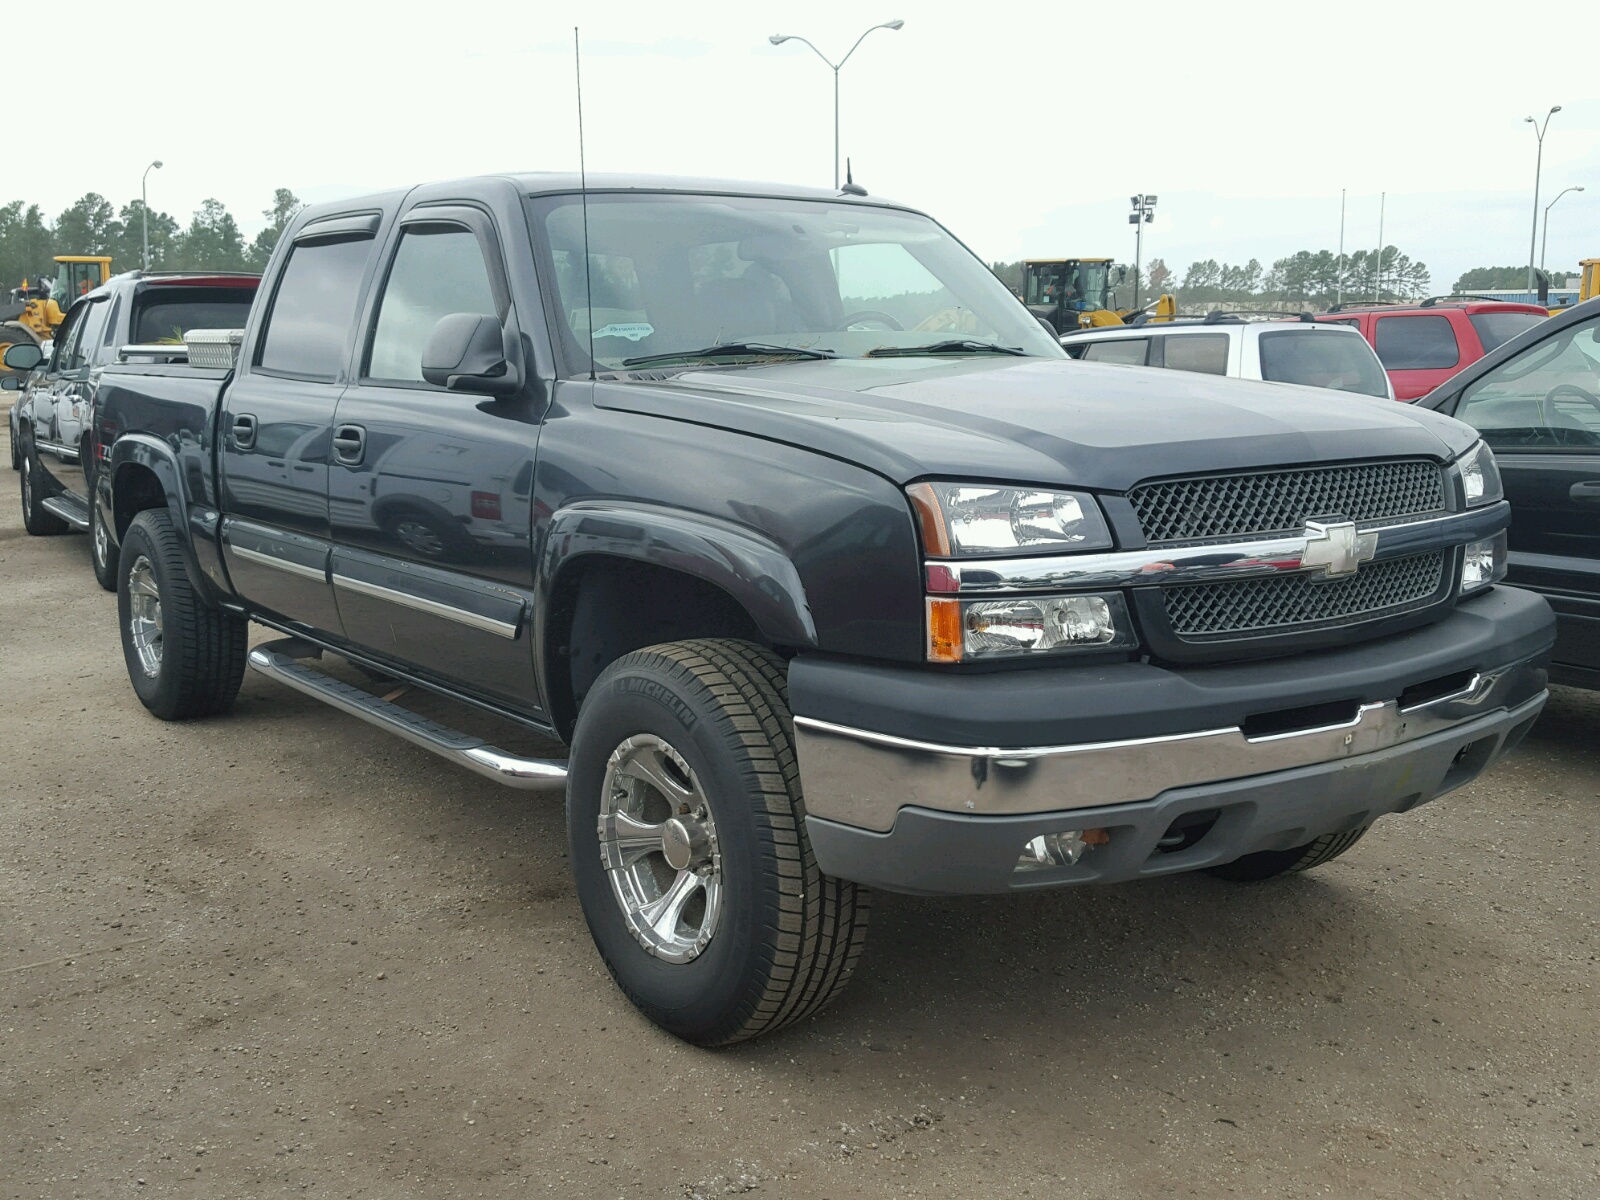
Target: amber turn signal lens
<point>944,631</point>
<point>930,520</point>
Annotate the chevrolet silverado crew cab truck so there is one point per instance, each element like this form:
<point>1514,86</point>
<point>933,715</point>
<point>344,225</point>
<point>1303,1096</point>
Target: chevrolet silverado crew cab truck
<point>137,315</point>
<point>827,565</point>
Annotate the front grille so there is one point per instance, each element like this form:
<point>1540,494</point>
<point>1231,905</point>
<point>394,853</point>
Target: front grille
<point>1282,603</point>
<point>1271,502</point>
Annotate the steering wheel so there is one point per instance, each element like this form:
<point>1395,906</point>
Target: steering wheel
<point>869,314</point>
<point>1547,407</point>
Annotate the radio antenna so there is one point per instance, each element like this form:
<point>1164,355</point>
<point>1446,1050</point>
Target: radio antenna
<point>583,196</point>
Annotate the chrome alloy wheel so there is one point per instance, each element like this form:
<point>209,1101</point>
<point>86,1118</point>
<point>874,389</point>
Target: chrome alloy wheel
<point>144,615</point>
<point>27,484</point>
<point>101,540</point>
<point>658,844</point>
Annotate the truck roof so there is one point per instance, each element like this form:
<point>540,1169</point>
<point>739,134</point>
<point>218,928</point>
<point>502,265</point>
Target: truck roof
<point>548,183</point>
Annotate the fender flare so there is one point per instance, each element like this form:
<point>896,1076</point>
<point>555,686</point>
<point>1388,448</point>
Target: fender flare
<point>750,568</point>
<point>154,455</point>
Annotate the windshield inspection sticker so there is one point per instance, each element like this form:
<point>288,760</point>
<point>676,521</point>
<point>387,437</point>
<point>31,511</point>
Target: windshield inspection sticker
<point>634,333</point>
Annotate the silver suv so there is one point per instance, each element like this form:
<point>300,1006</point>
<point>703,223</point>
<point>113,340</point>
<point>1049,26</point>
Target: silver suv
<point>1285,350</point>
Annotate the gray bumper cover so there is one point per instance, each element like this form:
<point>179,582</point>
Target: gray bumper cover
<point>941,853</point>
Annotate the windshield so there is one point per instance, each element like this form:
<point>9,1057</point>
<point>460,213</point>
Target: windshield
<point>1075,285</point>
<point>1497,328</point>
<point>675,274</point>
<point>1328,359</point>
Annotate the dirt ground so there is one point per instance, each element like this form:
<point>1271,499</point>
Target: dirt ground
<point>283,954</point>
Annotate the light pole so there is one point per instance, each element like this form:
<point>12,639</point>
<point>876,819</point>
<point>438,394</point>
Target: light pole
<point>1544,238</point>
<point>1538,168</point>
<point>1144,211</point>
<point>144,208</point>
<point>779,39</point>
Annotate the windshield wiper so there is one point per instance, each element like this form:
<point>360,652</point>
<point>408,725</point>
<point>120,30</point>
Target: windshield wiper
<point>730,350</point>
<point>953,346</point>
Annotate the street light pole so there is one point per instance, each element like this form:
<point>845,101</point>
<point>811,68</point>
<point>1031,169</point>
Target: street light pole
<point>1144,211</point>
<point>1544,238</point>
<point>144,208</point>
<point>1538,169</point>
<point>778,39</point>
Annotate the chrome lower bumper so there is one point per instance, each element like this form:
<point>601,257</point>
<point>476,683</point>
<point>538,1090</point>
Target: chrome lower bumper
<point>863,779</point>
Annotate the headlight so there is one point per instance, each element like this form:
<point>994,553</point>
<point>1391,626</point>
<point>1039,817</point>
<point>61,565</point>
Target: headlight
<point>1481,476</point>
<point>965,630</point>
<point>974,518</point>
<point>1483,564</point>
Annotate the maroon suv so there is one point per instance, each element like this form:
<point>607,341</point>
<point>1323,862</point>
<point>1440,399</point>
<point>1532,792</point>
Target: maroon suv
<point>1422,345</point>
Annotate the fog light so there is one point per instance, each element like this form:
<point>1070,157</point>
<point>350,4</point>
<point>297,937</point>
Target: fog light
<point>1483,564</point>
<point>1059,849</point>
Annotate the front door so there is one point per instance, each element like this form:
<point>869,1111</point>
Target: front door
<point>430,490</point>
<point>275,433</point>
<point>1540,413</point>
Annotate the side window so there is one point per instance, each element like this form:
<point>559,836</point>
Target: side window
<point>1206,353</point>
<point>1546,398</point>
<point>436,272</point>
<point>1417,343</point>
<point>87,340</point>
<point>311,312</point>
<point>1117,350</point>
<point>66,338</point>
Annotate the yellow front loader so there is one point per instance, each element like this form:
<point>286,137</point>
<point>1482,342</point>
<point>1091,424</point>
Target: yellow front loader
<point>32,316</point>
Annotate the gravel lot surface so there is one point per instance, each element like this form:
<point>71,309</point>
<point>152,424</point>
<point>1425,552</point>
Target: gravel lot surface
<point>283,954</point>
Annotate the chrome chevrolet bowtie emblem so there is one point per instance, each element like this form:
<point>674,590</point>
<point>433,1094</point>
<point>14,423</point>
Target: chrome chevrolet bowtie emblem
<point>1337,548</point>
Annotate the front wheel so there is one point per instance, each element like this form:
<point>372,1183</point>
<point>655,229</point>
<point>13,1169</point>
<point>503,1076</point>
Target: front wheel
<point>36,518</point>
<point>185,658</point>
<point>1269,864</point>
<point>102,552</point>
<point>689,845</point>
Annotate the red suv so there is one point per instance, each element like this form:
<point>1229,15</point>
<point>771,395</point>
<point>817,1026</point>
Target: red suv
<point>1422,345</point>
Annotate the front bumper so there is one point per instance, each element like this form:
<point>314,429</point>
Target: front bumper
<point>1282,753</point>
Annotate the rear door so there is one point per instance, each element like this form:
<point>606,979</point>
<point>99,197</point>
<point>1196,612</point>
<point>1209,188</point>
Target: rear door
<point>1420,351</point>
<point>1540,413</point>
<point>430,490</point>
<point>276,423</point>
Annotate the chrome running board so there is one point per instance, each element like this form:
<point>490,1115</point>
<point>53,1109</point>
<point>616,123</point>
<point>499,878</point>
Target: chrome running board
<point>69,509</point>
<point>278,660</point>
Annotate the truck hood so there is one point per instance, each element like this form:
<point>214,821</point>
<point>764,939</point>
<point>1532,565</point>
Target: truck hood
<point>1034,420</point>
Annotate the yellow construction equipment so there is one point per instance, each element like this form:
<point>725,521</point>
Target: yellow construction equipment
<point>1589,280</point>
<point>1075,293</point>
<point>32,316</point>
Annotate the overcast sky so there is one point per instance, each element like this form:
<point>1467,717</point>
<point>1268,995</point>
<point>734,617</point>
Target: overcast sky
<point>1024,126</point>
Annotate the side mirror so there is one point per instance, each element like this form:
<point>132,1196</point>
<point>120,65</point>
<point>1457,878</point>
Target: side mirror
<point>23,356</point>
<point>10,383</point>
<point>1049,328</point>
<point>466,352</point>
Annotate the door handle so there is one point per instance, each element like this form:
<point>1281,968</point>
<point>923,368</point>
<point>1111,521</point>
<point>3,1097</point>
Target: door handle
<point>244,431</point>
<point>1588,490</point>
<point>349,444</point>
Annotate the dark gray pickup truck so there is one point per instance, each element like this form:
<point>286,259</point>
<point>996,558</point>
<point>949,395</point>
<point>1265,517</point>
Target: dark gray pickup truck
<point>830,568</point>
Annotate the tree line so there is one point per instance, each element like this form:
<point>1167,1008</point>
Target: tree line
<point>211,241</point>
<point>1307,278</point>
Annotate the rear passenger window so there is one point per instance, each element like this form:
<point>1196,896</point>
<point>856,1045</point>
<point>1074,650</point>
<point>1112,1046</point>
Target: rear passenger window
<point>1117,350</point>
<point>1206,353</point>
<point>436,272</point>
<point>1417,343</point>
<point>312,309</point>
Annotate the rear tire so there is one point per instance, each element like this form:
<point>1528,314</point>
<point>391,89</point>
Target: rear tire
<point>103,553</point>
<point>1269,864</point>
<point>36,519</point>
<point>185,658</point>
<point>694,741</point>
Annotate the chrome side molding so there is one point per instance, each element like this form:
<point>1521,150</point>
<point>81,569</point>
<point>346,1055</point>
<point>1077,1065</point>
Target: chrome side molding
<point>278,660</point>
